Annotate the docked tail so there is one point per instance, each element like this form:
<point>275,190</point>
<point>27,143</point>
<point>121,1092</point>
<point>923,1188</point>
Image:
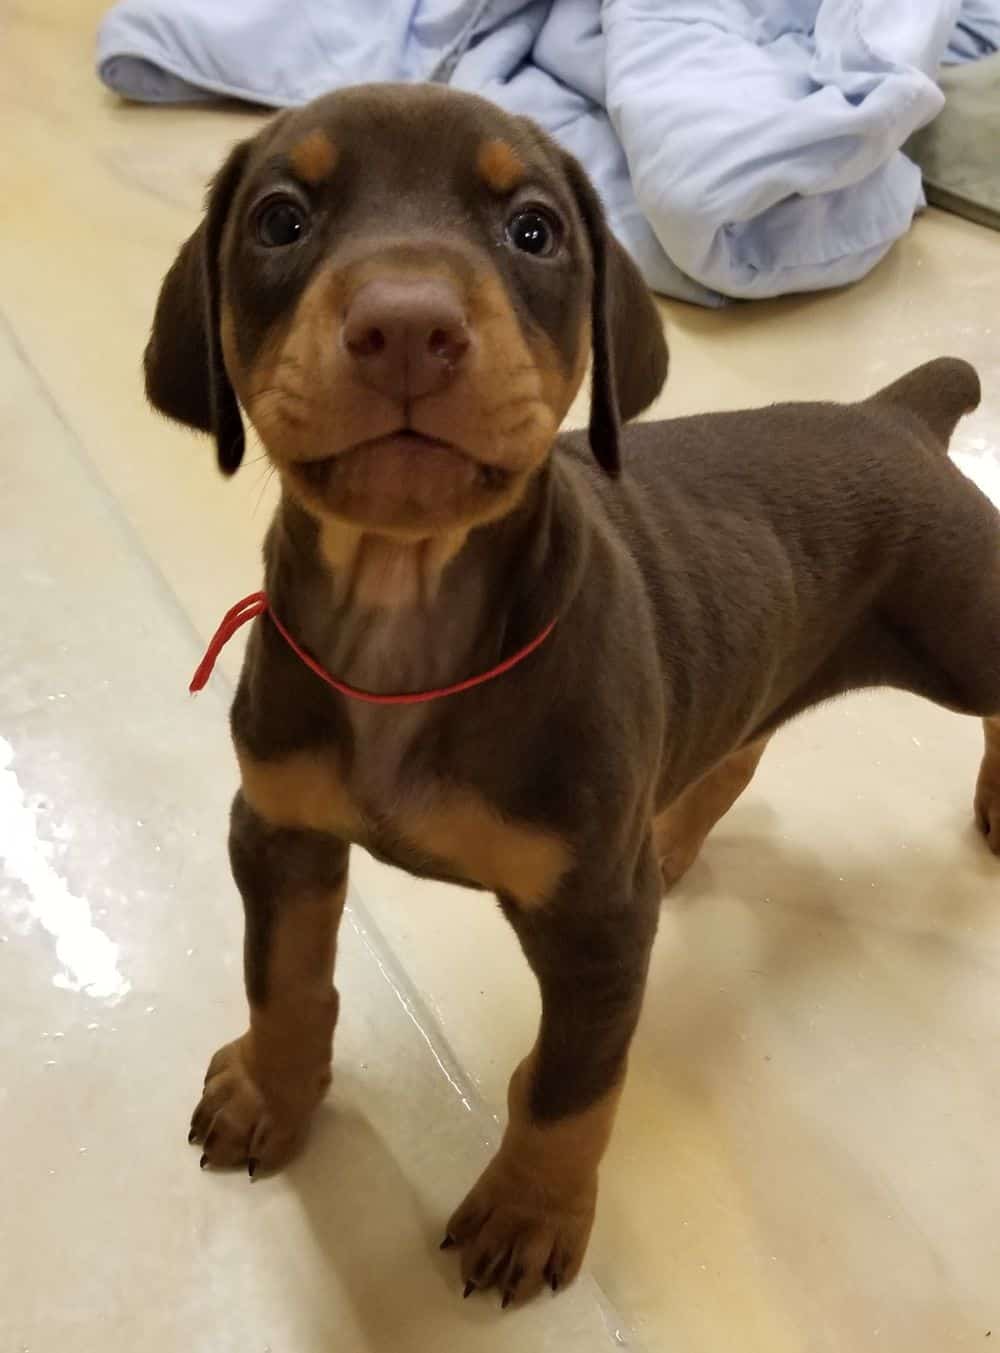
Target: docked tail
<point>939,393</point>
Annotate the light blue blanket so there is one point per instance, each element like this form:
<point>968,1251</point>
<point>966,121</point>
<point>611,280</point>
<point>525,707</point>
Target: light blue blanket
<point>742,147</point>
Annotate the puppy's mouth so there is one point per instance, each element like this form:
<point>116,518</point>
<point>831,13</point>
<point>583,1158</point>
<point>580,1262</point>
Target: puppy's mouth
<point>404,479</point>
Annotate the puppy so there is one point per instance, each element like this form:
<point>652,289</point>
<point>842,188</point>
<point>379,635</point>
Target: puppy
<point>486,655</point>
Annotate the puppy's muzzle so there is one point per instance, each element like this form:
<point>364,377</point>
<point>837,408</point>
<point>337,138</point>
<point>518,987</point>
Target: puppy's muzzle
<point>406,337</point>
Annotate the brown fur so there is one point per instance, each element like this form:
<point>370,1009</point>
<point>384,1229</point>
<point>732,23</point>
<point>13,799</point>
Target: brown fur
<point>987,802</point>
<point>499,166</point>
<point>458,829</point>
<point>465,832</point>
<point>314,158</point>
<point>542,1186</point>
<point>260,1090</point>
<point>679,832</point>
<point>380,572</point>
<point>745,567</point>
<point>509,404</point>
<point>304,791</point>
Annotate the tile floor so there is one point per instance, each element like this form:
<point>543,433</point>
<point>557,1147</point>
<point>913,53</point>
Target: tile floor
<point>806,1155</point>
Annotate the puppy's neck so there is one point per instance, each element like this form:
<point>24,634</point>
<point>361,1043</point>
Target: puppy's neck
<point>392,616</point>
<point>372,572</point>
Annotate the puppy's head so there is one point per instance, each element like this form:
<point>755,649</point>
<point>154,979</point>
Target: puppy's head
<point>401,286</point>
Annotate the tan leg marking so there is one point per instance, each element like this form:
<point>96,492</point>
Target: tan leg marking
<point>261,1090</point>
<point>528,1219</point>
<point>469,836</point>
<point>988,786</point>
<point>304,790</point>
<point>680,831</point>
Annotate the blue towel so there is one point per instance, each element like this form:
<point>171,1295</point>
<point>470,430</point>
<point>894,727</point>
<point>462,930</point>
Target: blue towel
<point>743,148</point>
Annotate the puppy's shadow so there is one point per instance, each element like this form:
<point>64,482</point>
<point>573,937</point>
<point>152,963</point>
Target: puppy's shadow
<point>759,914</point>
<point>377,1236</point>
<point>755,831</point>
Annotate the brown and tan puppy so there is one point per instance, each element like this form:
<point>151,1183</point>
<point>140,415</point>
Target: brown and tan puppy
<point>402,288</point>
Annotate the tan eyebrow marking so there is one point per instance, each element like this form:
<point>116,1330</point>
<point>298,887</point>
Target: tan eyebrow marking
<point>314,158</point>
<point>500,166</point>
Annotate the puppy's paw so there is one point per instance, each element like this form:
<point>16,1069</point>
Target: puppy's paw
<point>517,1238</point>
<point>987,805</point>
<point>239,1122</point>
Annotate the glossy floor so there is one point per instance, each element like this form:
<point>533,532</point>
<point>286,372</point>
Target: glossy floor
<point>806,1155</point>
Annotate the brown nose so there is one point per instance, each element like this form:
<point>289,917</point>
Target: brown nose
<point>407,337</point>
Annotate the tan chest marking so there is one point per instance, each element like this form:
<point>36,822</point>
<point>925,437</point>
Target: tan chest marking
<point>302,791</point>
<point>462,830</point>
<point>456,827</point>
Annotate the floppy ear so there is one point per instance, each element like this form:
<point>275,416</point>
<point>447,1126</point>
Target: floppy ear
<point>185,373</point>
<point>630,352</point>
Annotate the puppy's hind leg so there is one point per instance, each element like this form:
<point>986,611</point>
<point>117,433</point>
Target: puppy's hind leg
<point>937,632</point>
<point>679,832</point>
<point>988,786</point>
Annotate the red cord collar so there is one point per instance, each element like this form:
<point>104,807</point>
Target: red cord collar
<point>257,604</point>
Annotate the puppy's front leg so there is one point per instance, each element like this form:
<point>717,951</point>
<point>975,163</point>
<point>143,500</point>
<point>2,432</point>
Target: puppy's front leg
<point>528,1219</point>
<point>261,1089</point>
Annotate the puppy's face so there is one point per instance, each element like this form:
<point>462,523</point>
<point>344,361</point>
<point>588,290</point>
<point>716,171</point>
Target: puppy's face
<point>401,285</point>
<point>405,313</point>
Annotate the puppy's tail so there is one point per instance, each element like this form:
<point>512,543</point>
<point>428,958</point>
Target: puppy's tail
<point>939,393</point>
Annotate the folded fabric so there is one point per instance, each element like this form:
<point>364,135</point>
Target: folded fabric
<point>742,148</point>
<point>959,153</point>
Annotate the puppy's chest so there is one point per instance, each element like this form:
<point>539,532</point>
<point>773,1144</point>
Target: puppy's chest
<point>400,779</point>
<point>394,769</point>
<point>427,820</point>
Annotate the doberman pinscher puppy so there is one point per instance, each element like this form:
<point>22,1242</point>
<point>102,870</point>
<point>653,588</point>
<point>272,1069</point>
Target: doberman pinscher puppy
<point>402,288</point>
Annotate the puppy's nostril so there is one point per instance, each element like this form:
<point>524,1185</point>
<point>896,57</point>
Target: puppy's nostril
<point>367,344</point>
<point>447,345</point>
<point>406,337</point>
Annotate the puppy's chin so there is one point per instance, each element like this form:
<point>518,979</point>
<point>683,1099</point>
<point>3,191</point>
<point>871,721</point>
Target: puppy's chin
<point>405,483</point>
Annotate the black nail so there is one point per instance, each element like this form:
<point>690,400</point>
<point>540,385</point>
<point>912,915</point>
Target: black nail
<point>448,1242</point>
<point>555,1281</point>
<point>203,1162</point>
<point>192,1136</point>
<point>470,1287</point>
<point>252,1164</point>
<point>508,1297</point>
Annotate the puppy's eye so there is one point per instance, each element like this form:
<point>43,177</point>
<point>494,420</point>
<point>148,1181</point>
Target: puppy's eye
<point>533,232</point>
<point>279,222</point>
